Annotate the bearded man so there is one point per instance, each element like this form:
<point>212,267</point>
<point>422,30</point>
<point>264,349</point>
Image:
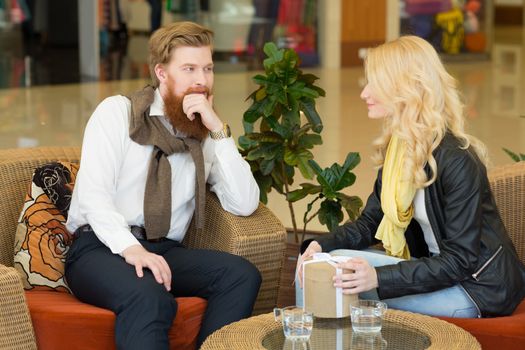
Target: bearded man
<point>145,162</point>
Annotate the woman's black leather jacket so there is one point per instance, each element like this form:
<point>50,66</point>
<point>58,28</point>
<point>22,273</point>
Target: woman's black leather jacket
<point>475,250</point>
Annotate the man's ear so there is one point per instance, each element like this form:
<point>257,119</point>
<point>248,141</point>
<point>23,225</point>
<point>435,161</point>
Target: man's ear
<point>160,72</point>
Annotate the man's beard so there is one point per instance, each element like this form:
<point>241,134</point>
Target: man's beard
<point>178,119</point>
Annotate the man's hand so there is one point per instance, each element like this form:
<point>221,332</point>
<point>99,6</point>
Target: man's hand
<point>313,248</point>
<point>139,257</point>
<point>202,104</point>
<point>358,276</point>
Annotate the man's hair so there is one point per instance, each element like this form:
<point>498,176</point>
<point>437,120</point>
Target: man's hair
<point>166,39</point>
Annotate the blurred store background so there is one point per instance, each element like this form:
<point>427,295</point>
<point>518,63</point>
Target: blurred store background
<point>39,39</point>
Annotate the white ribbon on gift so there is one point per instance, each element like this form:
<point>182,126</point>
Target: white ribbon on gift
<point>332,260</point>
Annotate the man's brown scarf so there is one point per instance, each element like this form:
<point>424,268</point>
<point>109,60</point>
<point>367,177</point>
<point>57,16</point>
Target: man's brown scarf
<point>149,130</point>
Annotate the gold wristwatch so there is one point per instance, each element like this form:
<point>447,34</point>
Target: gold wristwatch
<point>222,134</point>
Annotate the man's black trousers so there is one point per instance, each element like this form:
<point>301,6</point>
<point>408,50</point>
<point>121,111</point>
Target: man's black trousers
<point>144,309</point>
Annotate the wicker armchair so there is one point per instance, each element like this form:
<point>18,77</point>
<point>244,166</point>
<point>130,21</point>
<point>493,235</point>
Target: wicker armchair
<point>260,238</point>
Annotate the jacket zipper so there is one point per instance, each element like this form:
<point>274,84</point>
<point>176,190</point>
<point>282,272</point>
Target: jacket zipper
<point>477,273</point>
<point>472,300</point>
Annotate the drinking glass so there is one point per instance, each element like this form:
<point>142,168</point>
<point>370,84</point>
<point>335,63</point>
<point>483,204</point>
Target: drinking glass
<point>367,315</point>
<point>297,323</point>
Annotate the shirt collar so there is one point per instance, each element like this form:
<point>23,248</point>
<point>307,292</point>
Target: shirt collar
<point>157,107</point>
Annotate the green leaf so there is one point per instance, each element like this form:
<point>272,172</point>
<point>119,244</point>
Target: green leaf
<point>260,94</point>
<point>283,99</point>
<point>266,166</point>
<point>352,205</point>
<point>267,136</point>
<point>308,107</point>
<point>299,90</point>
<point>291,120</point>
<point>274,87</point>
<point>309,140</point>
<point>277,183</point>
<point>269,106</point>
<point>260,79</point>
<point>295,156</point>
<point>245,143</point>
<point>336,178</point>
<point>320,91</point>
<point>282,130</point>
<point>296,195</point>
<point>330,214</point>
<point>265,186</point>
<point>351,161</point>
<point>285,69</point>
<point>305,168</point>
<point>309,78</point>
<point>511,154</point>
<point>281,175</point>
<point>263,126</point>
<point>316,167</point>
<point>274,55</point>
<point>306,189</point>
<point>326,179</point>
<point>248,127</point>
<point>266,151</point>
<point>254,112</point>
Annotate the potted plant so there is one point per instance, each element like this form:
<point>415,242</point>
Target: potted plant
<point>289,127</point>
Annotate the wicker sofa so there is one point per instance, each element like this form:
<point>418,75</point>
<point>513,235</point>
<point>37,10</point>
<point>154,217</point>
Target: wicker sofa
<point>508,186</point>
<point>56,320</point>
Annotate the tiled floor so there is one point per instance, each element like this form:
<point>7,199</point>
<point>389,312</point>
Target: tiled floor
<point>493,91</point>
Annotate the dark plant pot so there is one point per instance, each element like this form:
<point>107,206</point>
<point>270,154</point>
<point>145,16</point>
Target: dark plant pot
<point>286,295</point>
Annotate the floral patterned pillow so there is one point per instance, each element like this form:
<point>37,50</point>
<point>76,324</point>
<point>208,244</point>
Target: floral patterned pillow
<point>42,240</point>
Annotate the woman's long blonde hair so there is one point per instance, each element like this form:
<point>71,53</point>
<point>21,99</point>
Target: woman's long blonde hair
<point>422,101</point>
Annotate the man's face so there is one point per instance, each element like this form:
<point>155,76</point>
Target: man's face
<point>190,71</point>
<point>189,68</point>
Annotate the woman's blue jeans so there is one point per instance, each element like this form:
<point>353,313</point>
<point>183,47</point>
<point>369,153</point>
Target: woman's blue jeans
<point>448,302</point>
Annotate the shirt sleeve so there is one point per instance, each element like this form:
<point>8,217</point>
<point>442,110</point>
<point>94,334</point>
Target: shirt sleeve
<point>103,152</point>
<point>231,177</point>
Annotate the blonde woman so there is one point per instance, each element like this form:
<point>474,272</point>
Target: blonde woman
<point>447,251</point>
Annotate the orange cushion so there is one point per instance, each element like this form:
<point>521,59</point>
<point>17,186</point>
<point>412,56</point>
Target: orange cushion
<point>62,322</point>
<point>506,332</point>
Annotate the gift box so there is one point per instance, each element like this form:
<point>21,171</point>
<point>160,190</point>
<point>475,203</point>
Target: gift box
<point>319,294</point>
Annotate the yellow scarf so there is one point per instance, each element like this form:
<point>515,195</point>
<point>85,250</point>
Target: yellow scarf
<point>397,195</point>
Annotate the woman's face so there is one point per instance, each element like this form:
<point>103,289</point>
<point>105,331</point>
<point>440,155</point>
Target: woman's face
<point>375,109</point>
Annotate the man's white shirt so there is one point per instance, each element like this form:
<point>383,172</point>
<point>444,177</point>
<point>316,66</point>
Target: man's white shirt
<point>109,188</point>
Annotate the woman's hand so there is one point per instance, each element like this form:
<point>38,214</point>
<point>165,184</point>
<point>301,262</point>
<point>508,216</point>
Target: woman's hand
<point>358,276</point>
<point>313,248</point>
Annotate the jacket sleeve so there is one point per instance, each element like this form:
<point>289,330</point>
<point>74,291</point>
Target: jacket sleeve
<point>454,208</point>
<point>360,233</point>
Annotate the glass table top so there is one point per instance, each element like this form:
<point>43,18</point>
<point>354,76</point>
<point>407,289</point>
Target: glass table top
<point>337,334</point>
